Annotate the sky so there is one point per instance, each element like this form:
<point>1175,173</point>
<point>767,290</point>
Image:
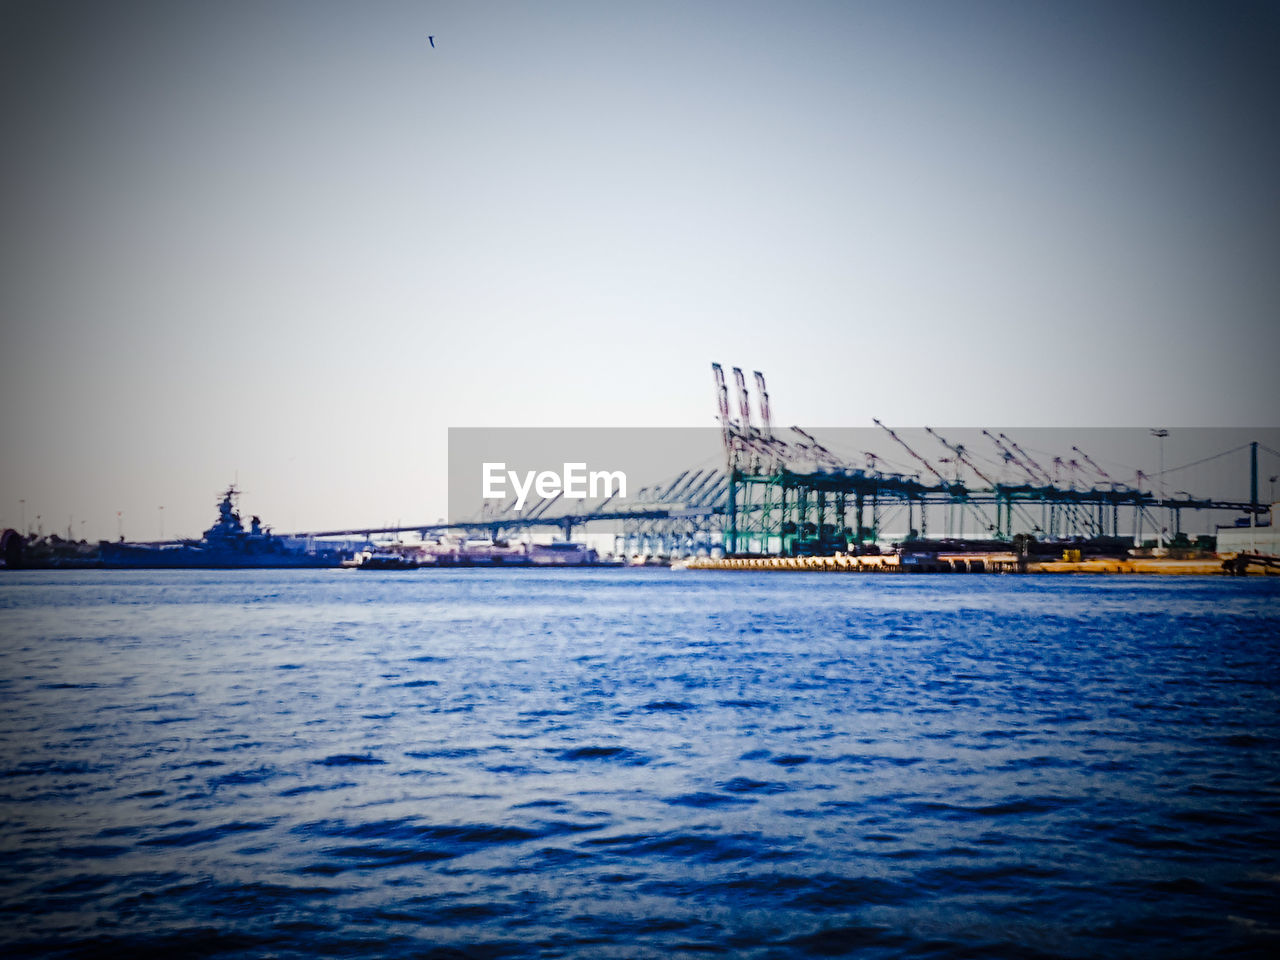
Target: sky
<point>290,244</point>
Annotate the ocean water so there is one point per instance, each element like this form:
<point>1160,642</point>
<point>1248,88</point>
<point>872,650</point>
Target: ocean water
<point>646,763</point>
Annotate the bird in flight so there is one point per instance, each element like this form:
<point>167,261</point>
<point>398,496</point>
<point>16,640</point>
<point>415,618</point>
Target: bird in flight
<point>433,42</point>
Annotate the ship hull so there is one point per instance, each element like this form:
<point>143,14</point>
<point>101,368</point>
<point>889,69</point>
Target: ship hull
<point>131,557</point>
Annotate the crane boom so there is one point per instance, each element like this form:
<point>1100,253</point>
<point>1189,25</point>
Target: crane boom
<point>722,401</point>
<point>962,457</point>
<point>1044,474</point>
<point>762,397</point>
<point>1010,456</point>
<point>811,443</point>
<point>1089,460</point>
<point>927,465</point>
<point>722,393</point>
<point>744,402</point>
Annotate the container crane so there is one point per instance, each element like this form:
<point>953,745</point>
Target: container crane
<point>961,457</point>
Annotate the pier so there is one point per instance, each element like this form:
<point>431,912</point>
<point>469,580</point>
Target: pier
<point>992,563</point>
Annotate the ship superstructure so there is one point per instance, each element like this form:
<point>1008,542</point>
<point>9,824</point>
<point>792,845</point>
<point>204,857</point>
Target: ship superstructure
<point>226,544</point>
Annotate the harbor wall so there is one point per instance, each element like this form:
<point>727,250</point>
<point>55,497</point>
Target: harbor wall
<point>996,563</point>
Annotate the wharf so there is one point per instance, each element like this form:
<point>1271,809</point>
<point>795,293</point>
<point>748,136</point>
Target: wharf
<point>873,563</point>
<point>995,563</point>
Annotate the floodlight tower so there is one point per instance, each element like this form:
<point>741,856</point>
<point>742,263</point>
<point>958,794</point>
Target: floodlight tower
<point>1160,433</point>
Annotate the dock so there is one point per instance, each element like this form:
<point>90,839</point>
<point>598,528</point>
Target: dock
<point>1244,564</point>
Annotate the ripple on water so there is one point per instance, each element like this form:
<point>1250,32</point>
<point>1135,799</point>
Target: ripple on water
<point>637,764</point>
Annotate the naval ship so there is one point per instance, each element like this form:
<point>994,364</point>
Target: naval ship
<point>226,544</point>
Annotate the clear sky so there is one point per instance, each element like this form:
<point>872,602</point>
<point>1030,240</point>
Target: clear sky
<point>292,243</point>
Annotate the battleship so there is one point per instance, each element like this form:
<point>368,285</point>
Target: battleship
<point>226,544</point>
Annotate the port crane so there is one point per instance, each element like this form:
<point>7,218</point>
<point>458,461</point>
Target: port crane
<point>961,457</point>
<point>794,494</point>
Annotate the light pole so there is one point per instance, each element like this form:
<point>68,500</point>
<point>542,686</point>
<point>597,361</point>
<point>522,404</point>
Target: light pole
<point>23,505</point>
<point>1160,433</point>
<point>162,523</point>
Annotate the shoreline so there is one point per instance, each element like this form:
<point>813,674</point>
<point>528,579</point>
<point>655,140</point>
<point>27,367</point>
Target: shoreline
<point>1001,563</point>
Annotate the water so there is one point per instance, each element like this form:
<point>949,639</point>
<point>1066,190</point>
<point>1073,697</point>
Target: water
<point>637,764</point>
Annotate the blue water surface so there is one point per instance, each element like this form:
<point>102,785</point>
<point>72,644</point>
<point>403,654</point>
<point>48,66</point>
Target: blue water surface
<point>615,763</point>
